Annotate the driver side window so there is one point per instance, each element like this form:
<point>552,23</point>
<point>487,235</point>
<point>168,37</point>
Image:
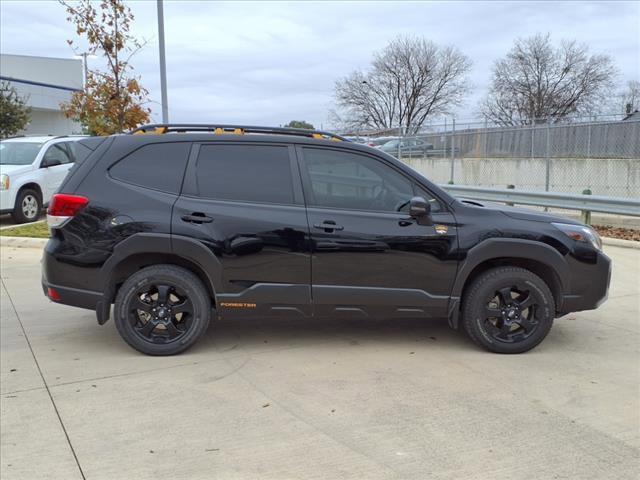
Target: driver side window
<point>356,182</point>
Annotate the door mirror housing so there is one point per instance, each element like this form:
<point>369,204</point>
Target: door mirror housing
<point>420,209</point>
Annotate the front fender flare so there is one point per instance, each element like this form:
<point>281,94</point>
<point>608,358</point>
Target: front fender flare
<point>496,248</point>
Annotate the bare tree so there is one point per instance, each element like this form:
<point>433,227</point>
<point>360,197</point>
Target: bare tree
<point>537,81</point>
<point>409,81</point>
<point>630,97</point>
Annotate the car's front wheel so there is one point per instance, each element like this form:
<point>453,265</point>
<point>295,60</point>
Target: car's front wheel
<point>28,206</point>
<point>162,310</point>
<point>508,310</point>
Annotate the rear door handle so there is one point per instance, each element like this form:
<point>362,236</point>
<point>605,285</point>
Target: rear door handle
<point>328,226</point>
<point>197,217</point>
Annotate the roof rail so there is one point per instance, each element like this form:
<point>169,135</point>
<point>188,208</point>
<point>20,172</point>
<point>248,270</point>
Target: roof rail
<point>51,135</point>
<point>162,128</point>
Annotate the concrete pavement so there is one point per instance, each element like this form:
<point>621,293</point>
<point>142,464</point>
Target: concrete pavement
<point>279,399</point>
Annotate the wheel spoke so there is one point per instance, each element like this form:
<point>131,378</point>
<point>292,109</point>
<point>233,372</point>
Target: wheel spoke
<point>505,296</point>
<point>505,328</point>
<point>526,303</point>
<point>147,328</point>
<point>163,293</point>
<point>525,324</point>
<point>493,329</point>
<point>493,312</point>
<point>138,304</point>
<point>172,330</point>
<point>182,307</point>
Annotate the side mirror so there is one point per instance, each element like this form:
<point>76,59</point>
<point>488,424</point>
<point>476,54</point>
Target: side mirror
<point>49,162</point>
<point>420,209</point>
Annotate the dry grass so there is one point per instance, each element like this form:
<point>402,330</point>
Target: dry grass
<point>617,232</point>
<point>33,230</point>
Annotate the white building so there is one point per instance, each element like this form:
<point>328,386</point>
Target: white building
<point>44,83</point>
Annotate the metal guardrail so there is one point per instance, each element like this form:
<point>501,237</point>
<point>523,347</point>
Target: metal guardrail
<point>569,201</point>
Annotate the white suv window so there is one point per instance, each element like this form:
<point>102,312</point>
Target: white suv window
<point>59,153</point>
<point>18,153</point>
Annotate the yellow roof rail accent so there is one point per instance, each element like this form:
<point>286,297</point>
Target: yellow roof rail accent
<point>156,131</point>
<point>219,129</point>
<point>222,131</point>
<point>320,136</point>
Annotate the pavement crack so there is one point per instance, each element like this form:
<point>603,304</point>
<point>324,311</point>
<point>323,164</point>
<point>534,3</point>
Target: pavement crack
<point>46,386</point>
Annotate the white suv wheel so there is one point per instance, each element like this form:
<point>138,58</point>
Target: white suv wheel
<point>30,207</point>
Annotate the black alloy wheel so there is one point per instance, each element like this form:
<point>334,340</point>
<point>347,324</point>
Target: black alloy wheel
<point>162,309</point>
<point>161,313</point>
<point>511,313</point>
<point>507,310</point>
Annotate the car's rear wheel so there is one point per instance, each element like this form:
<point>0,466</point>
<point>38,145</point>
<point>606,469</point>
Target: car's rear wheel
<point>508,310</point>
<point>162,310</point>
<point>28,206</point>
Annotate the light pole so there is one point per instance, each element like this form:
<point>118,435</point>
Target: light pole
<point>85,68</point>
<point>163,66</point>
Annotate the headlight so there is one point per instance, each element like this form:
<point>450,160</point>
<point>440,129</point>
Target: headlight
<point>580,233</point>
<point>4,182</point>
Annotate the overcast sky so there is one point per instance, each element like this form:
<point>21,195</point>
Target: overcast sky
<point>271,62</point>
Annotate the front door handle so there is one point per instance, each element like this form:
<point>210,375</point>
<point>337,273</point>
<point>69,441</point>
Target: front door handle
<point>328,226</point>
<point>197,217</point>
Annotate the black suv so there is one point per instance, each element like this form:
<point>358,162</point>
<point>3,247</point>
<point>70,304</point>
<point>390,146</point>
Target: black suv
<point>176,224</point>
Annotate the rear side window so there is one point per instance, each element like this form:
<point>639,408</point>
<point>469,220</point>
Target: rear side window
<point>159,166</point>
<point>249,173</point>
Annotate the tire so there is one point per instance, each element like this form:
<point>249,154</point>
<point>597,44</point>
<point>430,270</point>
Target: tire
<point>162,310</point>
<point>28,206</point>
<point>508,310</point>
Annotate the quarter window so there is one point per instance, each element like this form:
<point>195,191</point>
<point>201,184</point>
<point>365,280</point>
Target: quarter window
<point>247,173</point>
<point>159,166</point>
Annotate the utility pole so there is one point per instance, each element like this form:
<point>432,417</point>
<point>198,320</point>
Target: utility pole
<point>84,56</point>
<point>163,66</point>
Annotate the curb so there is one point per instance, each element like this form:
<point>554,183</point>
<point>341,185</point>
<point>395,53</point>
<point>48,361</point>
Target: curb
<point>618,242</point>
<point>18,225</point>
<point>26,242</point>
<point>23,242</point>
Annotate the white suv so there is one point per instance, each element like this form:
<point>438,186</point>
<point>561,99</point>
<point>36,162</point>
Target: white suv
<point>31,170</point>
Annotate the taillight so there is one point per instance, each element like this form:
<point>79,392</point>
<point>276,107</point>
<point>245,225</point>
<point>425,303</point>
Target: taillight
<point>63,207</point>
<point>53,294</point>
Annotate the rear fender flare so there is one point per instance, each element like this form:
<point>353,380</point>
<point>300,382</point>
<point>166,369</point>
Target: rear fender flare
<point>149,243</point>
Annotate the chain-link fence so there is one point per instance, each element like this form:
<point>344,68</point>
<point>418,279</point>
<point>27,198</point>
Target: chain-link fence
<point>599,154</point>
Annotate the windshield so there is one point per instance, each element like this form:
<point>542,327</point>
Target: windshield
<point>392,143</point>
<point>18,153</point>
